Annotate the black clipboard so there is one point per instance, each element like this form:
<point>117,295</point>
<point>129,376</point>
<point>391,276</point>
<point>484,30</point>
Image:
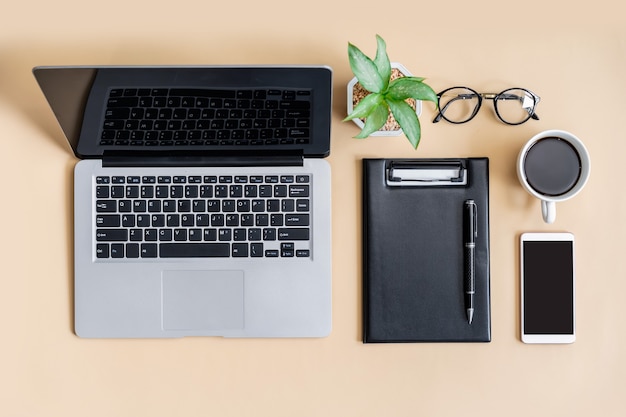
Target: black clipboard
<point>413,257</point>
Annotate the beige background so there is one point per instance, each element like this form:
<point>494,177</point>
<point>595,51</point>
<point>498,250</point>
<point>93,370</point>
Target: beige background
<point>573,55</point>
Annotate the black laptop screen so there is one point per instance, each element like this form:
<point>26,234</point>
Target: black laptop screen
<point>191,110</point>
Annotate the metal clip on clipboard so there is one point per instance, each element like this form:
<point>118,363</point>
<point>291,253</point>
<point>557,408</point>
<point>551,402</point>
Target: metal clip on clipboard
<point>425,173</point>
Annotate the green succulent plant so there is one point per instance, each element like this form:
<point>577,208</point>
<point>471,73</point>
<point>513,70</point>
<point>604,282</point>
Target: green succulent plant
<point>386,95</point>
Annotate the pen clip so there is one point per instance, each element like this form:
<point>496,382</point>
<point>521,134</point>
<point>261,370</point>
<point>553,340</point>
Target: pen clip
<point>472,218</point>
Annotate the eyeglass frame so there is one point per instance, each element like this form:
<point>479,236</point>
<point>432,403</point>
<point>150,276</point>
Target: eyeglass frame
<point>487,96</point>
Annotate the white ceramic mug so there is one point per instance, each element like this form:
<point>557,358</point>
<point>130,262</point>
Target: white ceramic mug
<point>553,166</point>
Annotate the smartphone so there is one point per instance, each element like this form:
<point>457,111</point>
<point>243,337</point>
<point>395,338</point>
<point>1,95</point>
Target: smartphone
<point>548,290</point>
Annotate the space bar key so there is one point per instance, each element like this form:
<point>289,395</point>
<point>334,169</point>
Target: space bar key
<point>194,250</point>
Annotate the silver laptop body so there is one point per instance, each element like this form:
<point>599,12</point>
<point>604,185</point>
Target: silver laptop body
<point>183,227</point>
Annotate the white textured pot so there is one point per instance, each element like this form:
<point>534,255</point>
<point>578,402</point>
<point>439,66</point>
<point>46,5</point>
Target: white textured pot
<point>359,122</point>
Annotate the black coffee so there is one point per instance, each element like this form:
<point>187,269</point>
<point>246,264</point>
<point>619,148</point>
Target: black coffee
<point>552,166</point>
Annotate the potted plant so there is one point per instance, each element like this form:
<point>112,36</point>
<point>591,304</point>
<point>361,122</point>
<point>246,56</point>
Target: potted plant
<point>386,95</point>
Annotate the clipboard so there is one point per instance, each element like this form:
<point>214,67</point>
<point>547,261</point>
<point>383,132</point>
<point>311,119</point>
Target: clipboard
<point>413,250</point>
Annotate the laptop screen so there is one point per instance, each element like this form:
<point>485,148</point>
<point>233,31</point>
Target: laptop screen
<point>242,110</point>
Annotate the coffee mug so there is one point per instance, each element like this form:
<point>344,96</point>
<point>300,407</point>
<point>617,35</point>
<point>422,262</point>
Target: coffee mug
<point>553,166</point>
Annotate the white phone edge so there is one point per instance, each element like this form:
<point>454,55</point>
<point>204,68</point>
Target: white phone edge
<point>546,338</point>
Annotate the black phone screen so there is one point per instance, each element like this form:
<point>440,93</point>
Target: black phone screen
<point>548,286</point>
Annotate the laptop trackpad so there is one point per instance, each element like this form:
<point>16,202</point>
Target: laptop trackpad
<point>202,300</point>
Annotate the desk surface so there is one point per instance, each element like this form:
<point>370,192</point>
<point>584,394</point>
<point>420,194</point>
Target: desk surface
<point>573,57</point>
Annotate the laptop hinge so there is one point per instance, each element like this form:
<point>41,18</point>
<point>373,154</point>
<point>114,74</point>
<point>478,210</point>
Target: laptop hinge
<point>200,160</point>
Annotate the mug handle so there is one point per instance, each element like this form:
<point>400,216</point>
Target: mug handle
<point>548,210</point>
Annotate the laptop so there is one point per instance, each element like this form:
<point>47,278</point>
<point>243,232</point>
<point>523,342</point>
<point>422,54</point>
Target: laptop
<point>201,198</point>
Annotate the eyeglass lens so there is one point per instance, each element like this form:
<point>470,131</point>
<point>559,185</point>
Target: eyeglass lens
<point>459,105</point>
<point>512,106</point>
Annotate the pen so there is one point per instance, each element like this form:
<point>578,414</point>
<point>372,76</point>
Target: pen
<point>471,232</point>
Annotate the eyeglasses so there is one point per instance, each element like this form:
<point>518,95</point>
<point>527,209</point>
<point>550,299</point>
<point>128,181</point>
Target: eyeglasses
<point>513,106</point>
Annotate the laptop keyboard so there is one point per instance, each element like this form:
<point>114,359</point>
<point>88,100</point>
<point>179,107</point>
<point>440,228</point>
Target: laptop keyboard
<point>202,216</point>
<point>206,117</point>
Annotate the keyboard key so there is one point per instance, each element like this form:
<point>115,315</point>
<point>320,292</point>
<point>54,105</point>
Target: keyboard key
<point>209,234</point>
<point>123,102</point>
<point>262,219</point>
<point>240,250</point>
<point>117,250</point>
<point>102,192</point>
<point>269,233</point>
<point>288,205</point>
<point>194,250</point>
<point>132,191</point>
<point>111,235</point>
<point>221,191</point>
<point>243,206</point>
<point>232,220</point>
<point>128,220</point>
<point>191,191</point>
<point>140,206</point>
<point>117,191</point>
<point>108,220</point>
<point>165,235</point>
<point>143,220</point>
<point>217,220</point>
<point>136,235</point>
<point>296,220</point>
<point>180,235</point>
<point>287,250</point>
<point>256,250</point>
<point>224,235</point>
<point>202,219</point>
<point>236,191</point>
<point>149,250</point>
<point>254,234</point>
<point>294,233</point>
<point>158,220</point>
<point>302,205</point>
<point>106,206</point>
<point>154,206</point>
<point>276,220</point>
<point>195,235</point>
<point>239,235</point>
<point>247,219</point>
<point>132,250</point>
<point>150,235</point>
<point>102,250</point>
<point>280,191</point>
<point>265,191</point>
<point>147,191</point>
<point>298,190</point>
<point>228,206</point>
<point>273,205</point>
